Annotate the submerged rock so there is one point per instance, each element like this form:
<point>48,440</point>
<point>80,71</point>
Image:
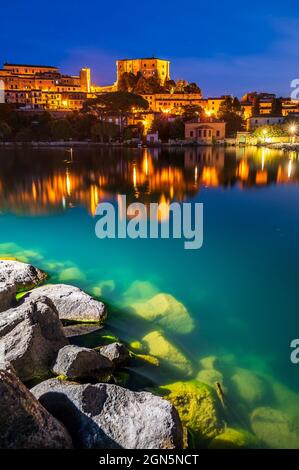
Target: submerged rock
<point>165,311</point>
<point>235,439</point>
<point>160,347</point>
<point>248,386</point>
<point>71,274</point>
<point>24,423</point>
<point>198,409</point>
<point>7,295</point>
<point>75,362</point>
<point>105,416</point>
<point>115,352</point>
<point>210,377</point>
<point>273,428</point>
<point>22,275</point>
<point>72,303</point>
<point>30,337</point>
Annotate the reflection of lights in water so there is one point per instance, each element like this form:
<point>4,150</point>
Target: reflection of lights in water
<point>63,202</point>
<point>289,168</point>
<point>243,170</point>
<point>68,183</point>
<point>134,176</point>
<point>146,165</point>
<point>94,199</point>
<point>263,158</point>
<point>195,174</point>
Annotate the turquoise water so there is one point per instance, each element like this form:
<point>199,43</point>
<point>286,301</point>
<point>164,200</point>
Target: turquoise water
<point>236,298</point>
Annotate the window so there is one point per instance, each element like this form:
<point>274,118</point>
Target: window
<point>205,133</point>
<point>191,133</point>
<point>218,133</point>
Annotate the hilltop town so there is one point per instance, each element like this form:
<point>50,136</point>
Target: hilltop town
<point>169,110</point>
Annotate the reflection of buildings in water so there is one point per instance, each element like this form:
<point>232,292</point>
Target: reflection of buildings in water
<point>40,184</point>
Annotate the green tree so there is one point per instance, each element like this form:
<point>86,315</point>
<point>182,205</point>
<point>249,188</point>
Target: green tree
<point>275,130</point>
<point>230,112</point>
<point>118,103</point>
<point>191,111</point>
<point>192,88</point>
<point>5,131</point>
<point>276,107</point>
<point>61,129</point>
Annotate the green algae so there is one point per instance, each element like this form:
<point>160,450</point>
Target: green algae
<point>198,408</point>
<point>235,439</point>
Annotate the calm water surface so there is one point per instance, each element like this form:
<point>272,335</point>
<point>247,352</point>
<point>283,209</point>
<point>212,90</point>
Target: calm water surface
<point>236,298</point>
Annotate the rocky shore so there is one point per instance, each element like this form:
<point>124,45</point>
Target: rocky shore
<point>57,394</point>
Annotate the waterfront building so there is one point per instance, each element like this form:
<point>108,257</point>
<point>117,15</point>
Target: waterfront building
<point>205,131</point>
<point>257,121</point>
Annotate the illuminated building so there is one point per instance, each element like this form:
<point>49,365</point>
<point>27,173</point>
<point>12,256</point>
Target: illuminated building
<point>205,131</point>
<point>44,87</point>
<point>172,103</point>
<point>147,67</point>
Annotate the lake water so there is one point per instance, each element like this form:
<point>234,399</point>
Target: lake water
<point>236,298</point>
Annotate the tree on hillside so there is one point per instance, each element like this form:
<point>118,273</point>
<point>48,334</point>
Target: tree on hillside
<point>192,88</point>
<point>276,107</point>
<point>256,106</point>
<point>127,82</point>
<point>118,103</point>
<point>191,111</point>
<point>230,112</point>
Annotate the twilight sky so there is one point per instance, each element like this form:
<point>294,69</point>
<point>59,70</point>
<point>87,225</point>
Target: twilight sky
<point>226,47</point>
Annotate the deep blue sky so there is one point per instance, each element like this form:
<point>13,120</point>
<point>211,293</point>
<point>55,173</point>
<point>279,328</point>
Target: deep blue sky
<point>226,47</point>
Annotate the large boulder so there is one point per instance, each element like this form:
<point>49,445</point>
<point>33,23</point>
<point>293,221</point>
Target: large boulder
<point>7,295</point>
<point>274,428</point>
<point>23,276</point>
<point>198,409</point>
<point>24,423</point>
<point>115,352</point>
<point>165,311</point>
<point>169,355</point>
<point>30,337</point>
<point>105,416</point>
<point>75,362</point>
<point>72,303</point>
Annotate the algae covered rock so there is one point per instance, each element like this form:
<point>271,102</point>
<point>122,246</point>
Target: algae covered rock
<point>273,428</point>
<point>234,439</point>
<point>23,276</point>
<point>209,376</point>
<point>197,406</point>
<point>160,347</point>
<point>165,311</point>
<point>248,386</point>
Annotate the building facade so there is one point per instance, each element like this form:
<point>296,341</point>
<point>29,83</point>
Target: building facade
<point>148,67</point>
<point>205,132</point>
<point>44,87</point>
<point>172,103</point>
